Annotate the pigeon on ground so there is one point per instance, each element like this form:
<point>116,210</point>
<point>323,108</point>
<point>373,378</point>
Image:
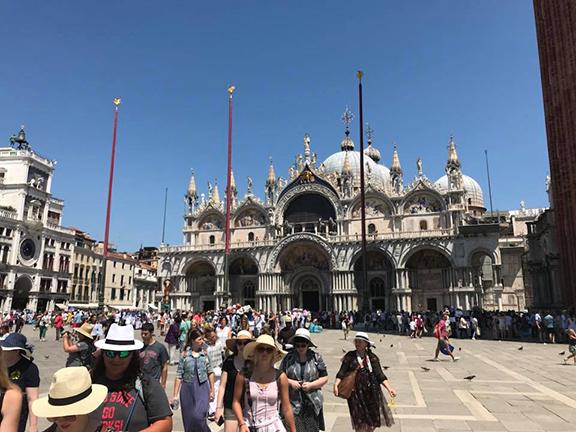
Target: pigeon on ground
<point>386,367</point>
<point>521,348</point>
<point>459,348</point>
<point>470,377</point>
<point>391,345</point>
<point>46,356</point>
<point>343,350</point>
<point>425,369</point>
<point>380,339</point>
<point>562,353</point>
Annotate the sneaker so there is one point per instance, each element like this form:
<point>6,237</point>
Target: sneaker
<point>456,358</point>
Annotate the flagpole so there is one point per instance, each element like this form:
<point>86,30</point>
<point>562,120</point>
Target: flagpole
<point>228,196</point>
<point>108,207</point>
<point>362,194</point>
<point>164,218</point>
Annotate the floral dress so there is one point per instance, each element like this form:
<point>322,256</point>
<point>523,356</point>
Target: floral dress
<point>367,405</point>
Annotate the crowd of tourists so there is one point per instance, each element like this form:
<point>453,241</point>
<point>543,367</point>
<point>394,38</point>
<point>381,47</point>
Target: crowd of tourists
<point>238,367</point>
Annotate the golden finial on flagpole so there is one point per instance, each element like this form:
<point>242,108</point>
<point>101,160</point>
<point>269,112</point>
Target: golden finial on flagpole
<point>231,89</point>
<point>359,74</point>
<point>116,102</point>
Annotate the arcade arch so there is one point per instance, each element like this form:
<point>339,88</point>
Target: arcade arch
<point>380,279</point>
<point>309,212</point>
<point>243,274</point>
<point>22,289</point>
<point>430,278</point>
<point>201,283</point>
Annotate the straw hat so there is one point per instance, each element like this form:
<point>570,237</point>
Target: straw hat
<point>302,333</point>
<point>250,349</point>
<point>364,337</point>
<point>242,335</point>
<point>120,338</point>
<point>85,329</point>
<point>71,393</point>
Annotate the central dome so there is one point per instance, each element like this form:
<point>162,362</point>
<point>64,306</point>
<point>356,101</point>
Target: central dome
<point>378,173</point>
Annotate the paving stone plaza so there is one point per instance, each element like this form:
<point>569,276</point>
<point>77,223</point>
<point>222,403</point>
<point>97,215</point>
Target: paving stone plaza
<point>514,390</point>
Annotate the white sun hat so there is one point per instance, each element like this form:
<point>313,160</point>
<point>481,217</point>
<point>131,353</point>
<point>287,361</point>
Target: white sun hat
<point>71,393</point>
<point>364,337</point>
<point>120,338</point>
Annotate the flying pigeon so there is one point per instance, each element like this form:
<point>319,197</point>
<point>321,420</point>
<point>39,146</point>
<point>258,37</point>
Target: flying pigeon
<point>521,348</point>
<point>425,369</point>
<point>391,345</point>
<point>459,348</point>
<point>562,353</point>
<point>343,350</point>
<point>386,367</point>
<point>470,377</point>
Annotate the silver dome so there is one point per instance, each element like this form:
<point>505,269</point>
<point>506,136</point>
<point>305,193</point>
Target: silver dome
<point>472,190</point>
<point>379,173</point>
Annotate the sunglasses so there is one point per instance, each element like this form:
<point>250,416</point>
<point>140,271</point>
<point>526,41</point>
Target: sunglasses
<point>71,418</point>
<point>301,345</point>
<point>121,354</point>
<point>242,343</point>
<point>264,349</point>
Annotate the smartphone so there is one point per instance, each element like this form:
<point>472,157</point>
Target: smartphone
<point>220,421</point>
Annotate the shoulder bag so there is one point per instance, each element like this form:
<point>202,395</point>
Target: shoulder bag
<point>347,385</point>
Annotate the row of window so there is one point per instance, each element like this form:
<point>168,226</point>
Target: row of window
<point>130,266</point>
<point>122,279</point>
<point>5,232</point>
<point>50,242</point>
<point>124,294</point>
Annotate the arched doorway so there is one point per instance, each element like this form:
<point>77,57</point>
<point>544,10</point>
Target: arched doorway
<point>430,279</point>
<point>22,289</point>
<point>310,294</point>
<point>243,273</point>
<point>305,266</point>
<point>380,278</point>
<point>201,283</point>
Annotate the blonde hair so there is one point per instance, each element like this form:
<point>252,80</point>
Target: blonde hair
<point>5,383</point>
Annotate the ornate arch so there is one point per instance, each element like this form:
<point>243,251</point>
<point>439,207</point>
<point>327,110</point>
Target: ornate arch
<point>420,197</point>
<point>302,189</point>
<point>197,260</point>
<point>273,257</point>
<point>247,206</point>
<point>242,254</point>
<point>372,196</point>
<point>357,252</point>
<point>208,215</point>
<point>481,250</point>
<point>442,249</point>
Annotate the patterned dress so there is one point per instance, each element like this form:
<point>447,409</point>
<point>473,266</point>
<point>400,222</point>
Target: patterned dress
<point>367,405</point>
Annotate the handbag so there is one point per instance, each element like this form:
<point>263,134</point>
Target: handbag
<point>347,385</point>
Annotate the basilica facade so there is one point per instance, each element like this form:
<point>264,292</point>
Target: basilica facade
<point>428,243</point>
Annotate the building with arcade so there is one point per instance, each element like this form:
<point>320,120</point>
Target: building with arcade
<point>429,242</point>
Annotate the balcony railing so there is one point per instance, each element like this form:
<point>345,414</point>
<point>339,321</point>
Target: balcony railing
<point>59,228</point>
<point>10,214</point>
<point>351,238</point>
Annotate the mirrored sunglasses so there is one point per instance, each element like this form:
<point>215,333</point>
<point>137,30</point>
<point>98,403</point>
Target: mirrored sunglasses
<point>265,349</point>
<point>112,354</point>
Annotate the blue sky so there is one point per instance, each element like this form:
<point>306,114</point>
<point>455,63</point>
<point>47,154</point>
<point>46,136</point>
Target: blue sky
<point>432,69</point>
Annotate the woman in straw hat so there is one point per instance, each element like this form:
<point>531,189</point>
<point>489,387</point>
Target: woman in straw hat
<point>232,365</point>
<point>134,402</point>
<point>72,402</point>
<point>81,351</point>
<point>367,405</point>
<point>307,374</point>
<point>22,371</point>
<point>194,383</point>
<point>262,388</point>
<point>10,401</point>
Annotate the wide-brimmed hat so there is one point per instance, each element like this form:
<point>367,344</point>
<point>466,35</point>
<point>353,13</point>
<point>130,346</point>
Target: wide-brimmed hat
<point>250,349</point>
<point>120,338</point>
<point>71,393</point>
<point>364,337</point>
<point>85,329</point>
<point>302,333</point>
<point>242,335</point>
<point>16,341</point>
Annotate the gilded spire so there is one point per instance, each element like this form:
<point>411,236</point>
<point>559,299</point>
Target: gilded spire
<point>192,185</point>
<point>347,143</point>
<point>396,167</point>
<point>271,180</point>
<point>215,194</point>
<point>371,151</point>
<point>452,155</point>
<point>346,169</point>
